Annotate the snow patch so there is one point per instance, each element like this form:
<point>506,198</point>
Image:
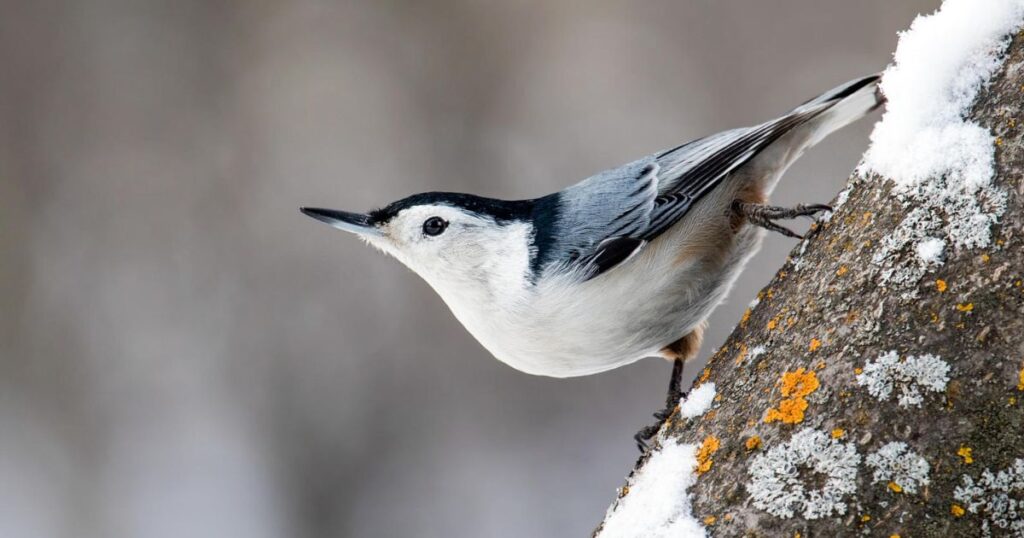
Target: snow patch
<point>937,158</point>
<point>657,504</point>
<point>698,401</point>
<point>998,497</point>
<point>940,65</point>
<point>897,464</point>
<point>781,478</point>
<point>930,250</point>
<point>911,376</point>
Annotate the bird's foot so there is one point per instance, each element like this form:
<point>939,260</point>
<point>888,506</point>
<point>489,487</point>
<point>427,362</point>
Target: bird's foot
<point>675,393</point>
<point>764,215</point>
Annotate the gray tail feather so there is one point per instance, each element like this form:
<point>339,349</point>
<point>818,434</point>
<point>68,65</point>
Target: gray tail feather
<point>849,102</point>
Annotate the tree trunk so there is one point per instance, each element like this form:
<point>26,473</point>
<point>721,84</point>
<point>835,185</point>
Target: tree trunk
<point>889,382</point>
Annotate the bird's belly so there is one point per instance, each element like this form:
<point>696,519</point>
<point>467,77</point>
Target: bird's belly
<point>568,329</point>
<point>626,315</point>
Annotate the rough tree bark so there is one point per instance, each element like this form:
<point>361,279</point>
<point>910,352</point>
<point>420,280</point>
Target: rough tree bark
<point>827,311</point>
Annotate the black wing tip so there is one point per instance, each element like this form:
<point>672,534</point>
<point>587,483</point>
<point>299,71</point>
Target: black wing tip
<point>853,86</point>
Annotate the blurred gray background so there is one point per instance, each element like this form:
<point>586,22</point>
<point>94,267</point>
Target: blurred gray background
<point>183,354</point>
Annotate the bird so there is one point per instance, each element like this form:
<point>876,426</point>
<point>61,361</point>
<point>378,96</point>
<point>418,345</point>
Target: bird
<point>624,265</point>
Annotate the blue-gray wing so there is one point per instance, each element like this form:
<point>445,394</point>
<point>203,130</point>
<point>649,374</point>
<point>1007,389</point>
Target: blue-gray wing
<point>601,219</point>
<point>606,219</point>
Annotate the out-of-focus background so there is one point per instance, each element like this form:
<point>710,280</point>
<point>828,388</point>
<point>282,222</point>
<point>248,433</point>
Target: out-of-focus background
<point>183,354</point>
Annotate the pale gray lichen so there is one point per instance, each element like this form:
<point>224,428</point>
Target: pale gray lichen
<point>962,215</point>
<point>910,376</point>
<point>998,497</point>
<point>895,463</point>
<point>781,482</point>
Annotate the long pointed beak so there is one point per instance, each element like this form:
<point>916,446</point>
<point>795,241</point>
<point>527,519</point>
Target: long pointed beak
<point>356,223</point>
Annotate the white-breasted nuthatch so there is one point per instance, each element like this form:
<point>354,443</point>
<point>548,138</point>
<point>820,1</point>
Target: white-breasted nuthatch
<point>623,265</point>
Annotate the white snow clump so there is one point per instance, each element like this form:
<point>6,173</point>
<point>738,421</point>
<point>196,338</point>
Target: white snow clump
<point>657,504</point>
<point>930,250</point>
<point>698,401</point>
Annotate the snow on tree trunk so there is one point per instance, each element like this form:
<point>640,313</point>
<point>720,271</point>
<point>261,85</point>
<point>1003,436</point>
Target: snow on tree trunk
<point>877,385</point>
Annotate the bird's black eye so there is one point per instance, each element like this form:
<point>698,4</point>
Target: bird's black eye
<point>434,226</point>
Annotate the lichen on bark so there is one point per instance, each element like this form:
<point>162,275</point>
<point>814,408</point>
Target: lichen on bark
<point>829,311</point>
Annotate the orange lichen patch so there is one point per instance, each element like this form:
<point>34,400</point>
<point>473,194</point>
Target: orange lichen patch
<point>858,371</point>
<point>865,518</point>
<point>624,491</point>
<point>940,285</point>
<point>895,487</point>
<point>842,270</point>
<point>999,141</point>
<point>894,536</point>
<point>753,442</point>
<point>866,217</point>
<point>710,520</point>
<point>1020,380</point>
<point>957,510</point>
<point>742,354</point>
<point>745,318</point>
<point>704,453</point>
<point>799,383</point>
<point>796,386</point>
<point>965,453</point>
<point>814,345</point>
<point>985,258</point>
<point>965,307</point>
<point>772,323</point>
<point>838,433</point>
<point>821,365</point>
<point>790,411</point>
<point>705,375</point>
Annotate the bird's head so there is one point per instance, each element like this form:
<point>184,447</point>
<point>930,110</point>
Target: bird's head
<point>460,244</point>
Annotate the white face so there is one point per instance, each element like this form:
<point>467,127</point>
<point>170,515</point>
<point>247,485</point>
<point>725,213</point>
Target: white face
<point>472,258</point>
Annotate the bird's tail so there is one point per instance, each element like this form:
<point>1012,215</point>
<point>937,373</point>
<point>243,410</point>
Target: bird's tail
<point>843,105</point>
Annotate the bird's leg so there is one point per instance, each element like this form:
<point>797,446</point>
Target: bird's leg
<point>675,392</point>
<point>763,215</point>
<point>678,352</point>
